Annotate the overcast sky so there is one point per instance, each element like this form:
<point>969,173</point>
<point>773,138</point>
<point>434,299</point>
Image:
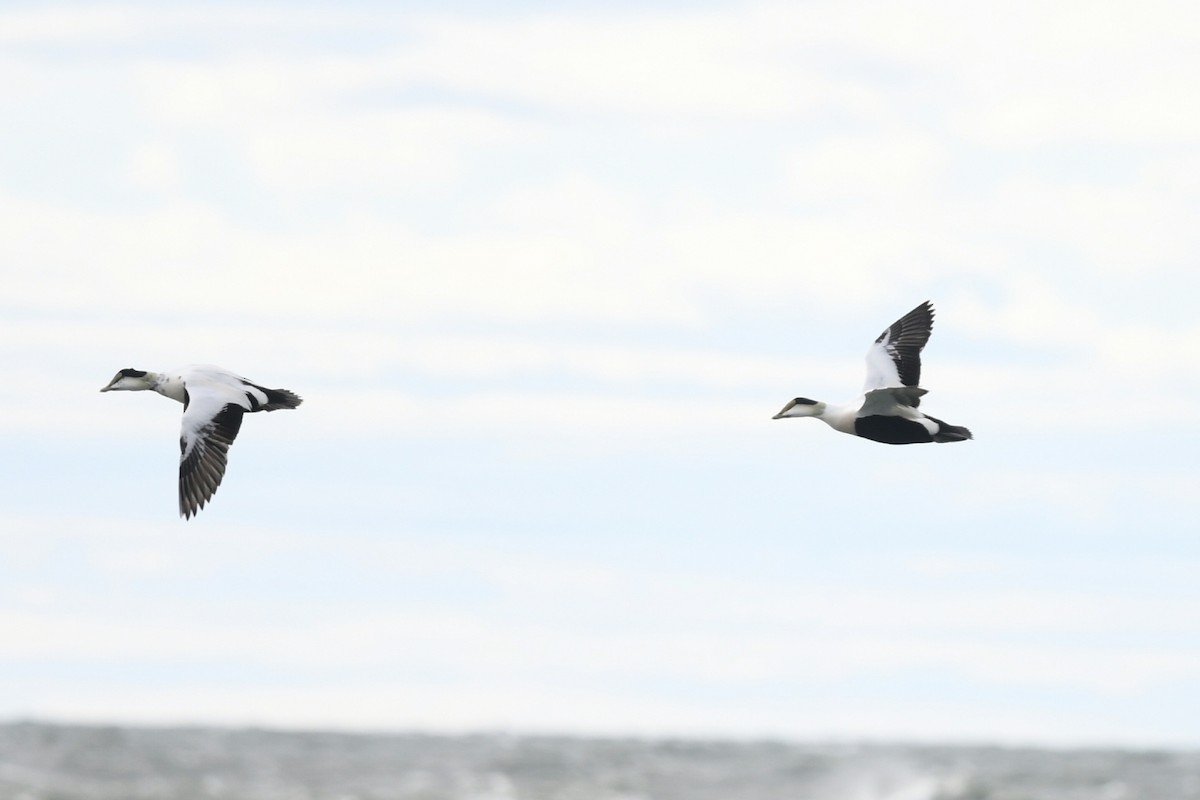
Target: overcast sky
<point>542,273</point>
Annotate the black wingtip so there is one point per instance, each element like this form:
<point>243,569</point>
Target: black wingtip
<point>906,337</point>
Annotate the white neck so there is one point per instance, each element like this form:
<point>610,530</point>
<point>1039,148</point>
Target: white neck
<point>840,418</point>
<point>167,385</point>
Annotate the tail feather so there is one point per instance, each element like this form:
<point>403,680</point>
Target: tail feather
<point>951,433</point>
<point>279,398</point>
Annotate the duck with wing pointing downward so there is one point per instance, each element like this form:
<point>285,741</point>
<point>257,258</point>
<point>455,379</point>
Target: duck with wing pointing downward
<point>214,401</point>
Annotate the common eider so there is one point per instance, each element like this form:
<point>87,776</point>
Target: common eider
<point>214,401</point>
<point>887,411</point>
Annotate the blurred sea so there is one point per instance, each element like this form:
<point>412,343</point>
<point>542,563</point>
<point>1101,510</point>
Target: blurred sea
<point>59,762</point>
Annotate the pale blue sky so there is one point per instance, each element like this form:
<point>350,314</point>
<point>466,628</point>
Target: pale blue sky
<point>542,275</point>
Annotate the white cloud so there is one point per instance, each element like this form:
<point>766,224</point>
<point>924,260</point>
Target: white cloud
<point>155,166</point>
<point>1124,228</point>
<point>297,153</point>
<point>297,124</point>
<point>855,640</point>
<point>696,63</point>
<point>185,257</point>
<point>629,621</point>
<point>564,643</point>
<point>72,25</point>
<point>599,251</point>
<point>888,166</point>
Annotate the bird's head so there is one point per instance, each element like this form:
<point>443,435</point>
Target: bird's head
<point>801,407</point>
<point>130,380</point>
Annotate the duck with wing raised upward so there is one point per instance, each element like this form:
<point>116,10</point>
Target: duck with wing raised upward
<point>214,401</point>
<point>887,411</point>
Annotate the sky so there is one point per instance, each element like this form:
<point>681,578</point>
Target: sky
<point>543,272</point>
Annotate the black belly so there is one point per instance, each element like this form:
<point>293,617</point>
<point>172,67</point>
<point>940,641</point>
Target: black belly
<point>891,430</point>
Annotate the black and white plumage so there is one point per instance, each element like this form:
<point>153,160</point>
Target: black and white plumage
<point>887,411</point>
<point>214,401</point>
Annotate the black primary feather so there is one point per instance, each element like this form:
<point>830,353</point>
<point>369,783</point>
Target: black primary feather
<point>202,468</point>
<point>906,337</point>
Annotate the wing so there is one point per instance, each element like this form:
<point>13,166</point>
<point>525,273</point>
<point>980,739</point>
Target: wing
<point>895,358</point>
<point>210,424</point>
<point>890,402</point>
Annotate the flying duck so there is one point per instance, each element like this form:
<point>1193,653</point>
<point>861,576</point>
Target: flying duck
<point>887,411</point>
<point>214,401</point>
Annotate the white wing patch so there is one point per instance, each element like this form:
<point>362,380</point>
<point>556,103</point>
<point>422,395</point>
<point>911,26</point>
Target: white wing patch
<point>881,369</point>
